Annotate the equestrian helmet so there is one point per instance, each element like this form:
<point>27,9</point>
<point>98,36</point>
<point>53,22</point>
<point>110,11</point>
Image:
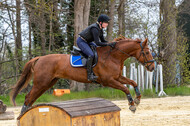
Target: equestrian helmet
<point>103,18</point>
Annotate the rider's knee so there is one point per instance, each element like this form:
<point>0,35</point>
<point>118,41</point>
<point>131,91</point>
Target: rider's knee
<point>91,55</point>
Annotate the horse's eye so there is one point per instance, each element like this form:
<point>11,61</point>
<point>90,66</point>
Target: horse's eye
<point>147,53</point>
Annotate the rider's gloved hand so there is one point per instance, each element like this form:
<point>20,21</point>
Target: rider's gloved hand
<point>112,44</point>
<point>93,44</point>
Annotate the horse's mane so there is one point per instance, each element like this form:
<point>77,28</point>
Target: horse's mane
<point>121,37</point>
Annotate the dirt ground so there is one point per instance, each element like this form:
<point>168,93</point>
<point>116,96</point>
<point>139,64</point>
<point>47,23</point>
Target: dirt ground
<point>168,111</point>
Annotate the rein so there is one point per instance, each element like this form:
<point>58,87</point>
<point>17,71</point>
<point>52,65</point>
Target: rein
<point>123,52</point>
<point>142,52</point>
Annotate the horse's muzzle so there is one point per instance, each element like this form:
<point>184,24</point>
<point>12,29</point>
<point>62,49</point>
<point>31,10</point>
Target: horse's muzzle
<point>150,67</point>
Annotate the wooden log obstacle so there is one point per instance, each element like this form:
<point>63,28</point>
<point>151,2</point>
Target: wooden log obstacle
<point>83,112</point>
<point>3,107</point>
<point>5,115</point>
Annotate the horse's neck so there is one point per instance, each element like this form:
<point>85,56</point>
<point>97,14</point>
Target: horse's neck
<point>126,49</point>
<point>122,51</point>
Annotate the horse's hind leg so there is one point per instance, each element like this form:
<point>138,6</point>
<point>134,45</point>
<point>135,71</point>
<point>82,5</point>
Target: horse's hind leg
<point>125,80</point>
<point>39,87</point>
<point>117,85</point>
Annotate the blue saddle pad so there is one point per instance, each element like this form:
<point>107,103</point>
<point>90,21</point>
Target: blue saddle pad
<point>77,61</point>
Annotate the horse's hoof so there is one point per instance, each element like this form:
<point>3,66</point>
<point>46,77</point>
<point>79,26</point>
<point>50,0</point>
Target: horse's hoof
<point>137,101</point>
<point>132,108</point>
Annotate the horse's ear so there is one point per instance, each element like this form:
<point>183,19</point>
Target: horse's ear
<point>145,42</point>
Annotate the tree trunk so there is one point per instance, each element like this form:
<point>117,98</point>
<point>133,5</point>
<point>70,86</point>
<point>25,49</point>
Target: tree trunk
<point>70,24</point>
<point>81,15</point>
<point>18,43</point>
<point>42,27</point>
<point>50,29</point>
<point>30,38</point>
<point>111,15</point>
<point>167,39</point>
<point>121,17</point>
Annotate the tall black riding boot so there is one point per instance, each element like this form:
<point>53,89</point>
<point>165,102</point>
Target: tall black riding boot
<point>91,76</point>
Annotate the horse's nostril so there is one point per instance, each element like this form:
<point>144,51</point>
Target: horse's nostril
<point>152,68</point>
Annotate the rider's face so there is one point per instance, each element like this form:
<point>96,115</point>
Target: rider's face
<point>104,25</point>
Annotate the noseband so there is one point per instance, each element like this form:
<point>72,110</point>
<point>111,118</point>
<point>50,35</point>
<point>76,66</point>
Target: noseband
<point>146,61</point>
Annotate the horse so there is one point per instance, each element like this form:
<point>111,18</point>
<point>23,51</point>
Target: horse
<point>46,70</point>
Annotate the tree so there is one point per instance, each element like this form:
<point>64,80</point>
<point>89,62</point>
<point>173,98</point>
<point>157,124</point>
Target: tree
<point>81,16</point>
<point>167,36</point>
<point>183,39</point>
<point>44,18</point>
<point>70,25</point>
<point>121,17</point>
<point>111,15</point>
<point>81,19</point>
<point>18,42</point>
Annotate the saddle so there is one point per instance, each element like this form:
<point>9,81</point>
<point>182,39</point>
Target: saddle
<point>79,59</point>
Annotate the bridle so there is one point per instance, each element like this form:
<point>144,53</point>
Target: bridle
<point>146,61</point>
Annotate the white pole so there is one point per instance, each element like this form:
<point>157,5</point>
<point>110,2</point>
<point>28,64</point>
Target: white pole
<point>146,79</point>
<point>150,76</point>
<point>139,77</point>
<point>135,76</point>
<point>124,73</point>
<point>161,83</point>
<point>142,77</point>
<point>157,74</point>
<point>132,73</point>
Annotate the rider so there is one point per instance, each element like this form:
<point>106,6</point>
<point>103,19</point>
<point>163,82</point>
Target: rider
<point>94,33</point>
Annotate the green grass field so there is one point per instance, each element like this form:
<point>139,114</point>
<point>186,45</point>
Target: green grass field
<point>106,93</point>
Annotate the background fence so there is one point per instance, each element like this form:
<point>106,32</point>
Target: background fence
<point>146,79</point>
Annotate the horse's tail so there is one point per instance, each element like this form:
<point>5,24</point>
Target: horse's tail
<point>23,80</point>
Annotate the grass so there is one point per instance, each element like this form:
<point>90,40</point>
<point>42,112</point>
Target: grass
<point>106,93</point>
<point>178,91</point>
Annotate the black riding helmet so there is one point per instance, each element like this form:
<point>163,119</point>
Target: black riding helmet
<point>103,18</point>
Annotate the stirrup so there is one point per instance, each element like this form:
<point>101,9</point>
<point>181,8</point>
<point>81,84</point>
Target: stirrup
<point>92,77</point>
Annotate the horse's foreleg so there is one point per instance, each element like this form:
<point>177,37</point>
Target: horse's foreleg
<point>125,80</point>
<point>117,85</point>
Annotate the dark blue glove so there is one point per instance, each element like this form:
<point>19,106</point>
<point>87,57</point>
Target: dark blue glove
<point>112,45</point>
<point>93,44</point>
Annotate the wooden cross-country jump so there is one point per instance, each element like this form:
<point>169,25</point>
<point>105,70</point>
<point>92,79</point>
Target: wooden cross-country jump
<point>83,112</point>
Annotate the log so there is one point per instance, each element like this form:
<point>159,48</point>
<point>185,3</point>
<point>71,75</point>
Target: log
<point>3,107</point>
<point>7,115</point>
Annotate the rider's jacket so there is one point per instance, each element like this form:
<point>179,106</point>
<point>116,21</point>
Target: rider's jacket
<point>93,33</point>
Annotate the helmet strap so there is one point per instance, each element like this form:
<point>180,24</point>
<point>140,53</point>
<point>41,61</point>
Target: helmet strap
<point>100,24</point>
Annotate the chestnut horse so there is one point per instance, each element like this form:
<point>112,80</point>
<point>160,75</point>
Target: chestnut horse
<point>46,70</point>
